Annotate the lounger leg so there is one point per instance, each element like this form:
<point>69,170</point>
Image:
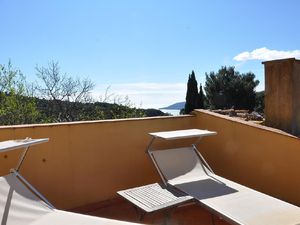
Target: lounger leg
<point>212,219</point>
<point>141,214</point>
<point>168,215</point>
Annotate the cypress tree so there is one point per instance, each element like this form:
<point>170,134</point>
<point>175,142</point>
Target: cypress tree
<point>200,99</point>
<point>191,93</point>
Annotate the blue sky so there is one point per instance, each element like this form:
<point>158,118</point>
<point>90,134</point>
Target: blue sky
<point>146,49</point>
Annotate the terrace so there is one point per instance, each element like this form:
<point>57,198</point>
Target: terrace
<point>85,163</point>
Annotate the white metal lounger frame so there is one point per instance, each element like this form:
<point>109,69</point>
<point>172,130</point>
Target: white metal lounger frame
<point>180,134</point>
<point>6,146</point>
<point>231,201</point>
<point>22,204</point>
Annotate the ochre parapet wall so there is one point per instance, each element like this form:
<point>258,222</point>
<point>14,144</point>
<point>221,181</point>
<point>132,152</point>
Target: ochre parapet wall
<point>87,162</point>
<point>263,158</point>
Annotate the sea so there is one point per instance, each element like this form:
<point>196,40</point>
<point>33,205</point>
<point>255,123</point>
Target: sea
<point>174,112</point>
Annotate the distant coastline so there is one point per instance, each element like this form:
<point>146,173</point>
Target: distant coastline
<point>175,106</point>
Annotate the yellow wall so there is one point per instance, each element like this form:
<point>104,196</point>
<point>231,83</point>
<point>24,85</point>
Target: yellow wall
<point>263,158</point>
<point>86,162</point>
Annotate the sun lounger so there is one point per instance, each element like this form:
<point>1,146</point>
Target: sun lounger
<point>19,206</point>
<point>154,197</point>
<point>22,204</point>
<point>186,170</point>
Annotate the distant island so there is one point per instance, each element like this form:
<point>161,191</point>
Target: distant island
<point>178,106</point>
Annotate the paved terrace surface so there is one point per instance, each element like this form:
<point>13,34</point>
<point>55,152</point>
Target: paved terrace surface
<point>120,209</point>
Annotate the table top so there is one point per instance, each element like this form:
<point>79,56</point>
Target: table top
<point>179,134</point>
<point>20,143</point>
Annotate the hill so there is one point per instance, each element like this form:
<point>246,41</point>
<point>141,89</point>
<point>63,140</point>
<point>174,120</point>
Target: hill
<point>60,111</point>
<point>178,105</point>
<point>19,109</point>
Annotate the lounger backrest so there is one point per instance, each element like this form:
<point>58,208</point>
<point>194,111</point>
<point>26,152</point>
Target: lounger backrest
<point>179,165</point>
<point>18,205</point>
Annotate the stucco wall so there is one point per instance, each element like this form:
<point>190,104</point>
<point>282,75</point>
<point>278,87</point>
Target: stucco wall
<point>282,94</point>
<point>87,162</point>
<point>263,158</point>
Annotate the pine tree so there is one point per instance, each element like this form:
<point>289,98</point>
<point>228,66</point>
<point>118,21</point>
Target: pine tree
<point>191,93</point>
<point>200,99</point>
<point>229,88</point>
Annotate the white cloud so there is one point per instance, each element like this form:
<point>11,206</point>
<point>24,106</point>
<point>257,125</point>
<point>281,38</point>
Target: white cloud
<point>266,54</point>
<point>145,95</point>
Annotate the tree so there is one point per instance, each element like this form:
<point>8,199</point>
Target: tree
<point>191,93</point>
<point>200,99</point>
<point>17,105</point>
<point>63,90</point>
<point>58,98</point>
<point>228,88</point>
<point>121,107</point>
<point>260,102</point>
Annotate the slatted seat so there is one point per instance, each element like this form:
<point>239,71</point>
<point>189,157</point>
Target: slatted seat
<point>154,197</point>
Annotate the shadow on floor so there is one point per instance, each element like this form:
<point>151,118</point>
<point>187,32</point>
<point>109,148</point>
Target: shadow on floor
<point>121,210</point>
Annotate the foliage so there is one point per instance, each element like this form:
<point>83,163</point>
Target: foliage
<point>200,99</point>
<point>260,102</point>
<point>154,112</point>
<point>63,90</point>
<point>229,89</point>
<point>120,106</point>
<point>81,111</point>
<point>112,107</point>
<point>59,98</point>
<point>16,104</point>
<point>98,110</point>
<point>181,112</point>
<point>191,93</point>
<point>194,100</point>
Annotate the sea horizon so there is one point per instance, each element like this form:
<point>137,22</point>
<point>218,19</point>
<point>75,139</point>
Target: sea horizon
<point>174,112</point>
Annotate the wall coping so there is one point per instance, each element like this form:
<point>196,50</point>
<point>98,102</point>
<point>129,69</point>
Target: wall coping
<point>93,122</point>
<point>232,119</point>
<point>247,123</point>
<point>280,60</point>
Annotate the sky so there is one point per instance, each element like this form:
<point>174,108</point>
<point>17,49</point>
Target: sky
<point>145,49</point>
